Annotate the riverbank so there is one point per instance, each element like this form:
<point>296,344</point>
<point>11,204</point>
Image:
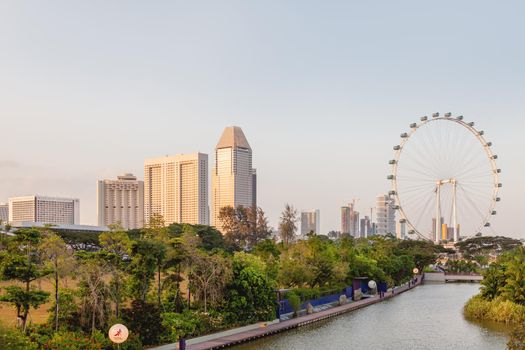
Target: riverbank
<point>497,310</point>
<point>429,317</point>
<point>264,330</point>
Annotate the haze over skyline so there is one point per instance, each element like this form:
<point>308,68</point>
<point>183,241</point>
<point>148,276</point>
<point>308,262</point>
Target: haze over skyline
<point>322,91</point>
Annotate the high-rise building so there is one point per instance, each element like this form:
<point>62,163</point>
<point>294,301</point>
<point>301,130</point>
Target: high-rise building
<point>386,215</point>
<point>49,210</point>
<point>176,188</point>
<point>121,202</point>
<point>4,212</point>
<point>401,229</point>
<point>365,227</point>
<point>349,220</point>
<point>310,222</point>
<point>233,177</point>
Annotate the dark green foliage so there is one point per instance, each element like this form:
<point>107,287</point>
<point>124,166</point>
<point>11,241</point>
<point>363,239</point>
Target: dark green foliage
<point>145,320</point>
<point>485,245</point>
<point>251,297</point>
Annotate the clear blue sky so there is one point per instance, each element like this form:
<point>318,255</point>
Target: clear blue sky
<point>322,89</point>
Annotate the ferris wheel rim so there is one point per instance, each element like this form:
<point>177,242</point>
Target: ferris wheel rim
<point>491,157</point>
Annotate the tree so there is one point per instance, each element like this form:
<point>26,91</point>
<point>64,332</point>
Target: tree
<point>262,229</point>
<point>147,255</point>
<point>514,288</point>
<point>116,247</point>
<point>287,225</point>
<point>487,245</point>
<point>210,275</point>
<point>250,295</point>
<point>61,259</point>
<point>22,261</point>
<point>93,290</point>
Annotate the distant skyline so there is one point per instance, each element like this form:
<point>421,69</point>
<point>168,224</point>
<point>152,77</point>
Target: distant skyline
<point>322,90</point>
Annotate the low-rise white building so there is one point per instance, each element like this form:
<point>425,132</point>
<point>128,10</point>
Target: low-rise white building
<point>49,210</point>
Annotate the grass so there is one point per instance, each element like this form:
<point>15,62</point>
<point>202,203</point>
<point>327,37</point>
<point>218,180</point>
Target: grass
<point>40,315</point>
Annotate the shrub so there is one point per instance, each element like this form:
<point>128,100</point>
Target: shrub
<point>13,339</point>
<point>65,340</point>
<point>178,325</point>
<point>144,319</point>
<point>295,302</point>
<point>498,310</point>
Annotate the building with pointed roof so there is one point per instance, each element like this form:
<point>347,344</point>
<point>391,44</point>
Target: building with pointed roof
<point>233,178</point>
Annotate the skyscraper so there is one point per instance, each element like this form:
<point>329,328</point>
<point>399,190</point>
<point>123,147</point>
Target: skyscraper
<point>49,210</point>
<point>310,222</point>
<point>365,227</point>
<point>233,178</point>
<point>349,220</point>
<point>401,229</point>
<point>386,215</point>
<point>176,187</point>
<point>4,212</point>
<point>121,201</point>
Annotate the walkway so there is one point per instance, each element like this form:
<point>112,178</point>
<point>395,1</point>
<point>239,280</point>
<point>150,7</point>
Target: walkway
<point>259,331</point>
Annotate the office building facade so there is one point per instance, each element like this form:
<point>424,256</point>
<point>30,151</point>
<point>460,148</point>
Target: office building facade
<point>121,201</point>
<point>176,188</point>
<point>4,212</point>
<point>310,222</point>
<point>234,180</point>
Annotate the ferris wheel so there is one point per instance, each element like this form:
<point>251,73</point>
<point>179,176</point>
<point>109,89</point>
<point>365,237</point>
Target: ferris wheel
<point>445,180</point>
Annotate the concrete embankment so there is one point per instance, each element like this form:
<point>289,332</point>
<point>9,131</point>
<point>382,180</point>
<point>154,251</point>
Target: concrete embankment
<point>249,333</point>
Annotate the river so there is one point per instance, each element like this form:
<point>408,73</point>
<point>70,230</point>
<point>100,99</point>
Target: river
<point>427,317</point>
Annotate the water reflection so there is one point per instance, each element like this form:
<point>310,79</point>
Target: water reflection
<point>429,317</point>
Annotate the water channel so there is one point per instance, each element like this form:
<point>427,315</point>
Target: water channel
<point>428,317</point>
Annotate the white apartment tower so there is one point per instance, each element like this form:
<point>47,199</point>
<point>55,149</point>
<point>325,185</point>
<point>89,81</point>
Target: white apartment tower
<point>310,222</point>
<point>386,215</point>
<point>176,187</point>
<point>233,178</point>
<point>49,210</point>
<point>121,202</point>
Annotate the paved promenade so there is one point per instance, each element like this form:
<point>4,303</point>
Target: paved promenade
<point>245,334</point>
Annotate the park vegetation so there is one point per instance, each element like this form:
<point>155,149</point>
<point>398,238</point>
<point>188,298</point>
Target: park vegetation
<point>502,295</point>
<point>179,280</point>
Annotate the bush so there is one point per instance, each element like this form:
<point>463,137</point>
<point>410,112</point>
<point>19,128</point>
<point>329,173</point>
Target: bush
<point>13,339</point>
<point>144,319</point>
<point>498,310</point>
<point>295,302</point>
<point>178,325</point>
<point>65,340</point>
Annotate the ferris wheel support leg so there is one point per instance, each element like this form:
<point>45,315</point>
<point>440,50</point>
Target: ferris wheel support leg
<point>454,210</point>
<point>438,213</point>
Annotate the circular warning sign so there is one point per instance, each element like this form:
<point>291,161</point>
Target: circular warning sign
<point>415,270</point>
<point>118,333</point>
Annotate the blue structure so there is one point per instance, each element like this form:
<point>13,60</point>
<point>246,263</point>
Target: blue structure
<point>285,307</point>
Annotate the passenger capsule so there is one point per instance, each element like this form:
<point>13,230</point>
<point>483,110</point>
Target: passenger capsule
<point>404,135</point>
<point>460,117</point>
<point>424,119</point>
<point>413,125</point>
<point>435,115</point>
<point>397,148</point>
<point>448,114</point>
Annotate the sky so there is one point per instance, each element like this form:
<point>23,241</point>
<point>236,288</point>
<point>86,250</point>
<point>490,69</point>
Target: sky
<point>321,89</point>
